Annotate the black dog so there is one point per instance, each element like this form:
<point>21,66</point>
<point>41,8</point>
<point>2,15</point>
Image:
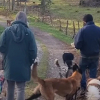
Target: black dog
<point>67,59</point>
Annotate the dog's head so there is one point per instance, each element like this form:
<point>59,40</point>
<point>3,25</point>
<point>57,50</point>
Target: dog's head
<point>93,81</point>
<point>76,68</point>
<point>67,58</point>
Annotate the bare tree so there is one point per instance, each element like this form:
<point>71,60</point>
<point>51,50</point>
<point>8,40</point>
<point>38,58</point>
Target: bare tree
<point>45,4</point>
<point>18,2</point>
<point>4,3</point>
<point>13,4</point>
<point>9,5</point>
<point>81,2</point>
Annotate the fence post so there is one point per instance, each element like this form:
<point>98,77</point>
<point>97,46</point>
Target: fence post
<point>78,25</point>
<point>73,29</point>
<point>43,18</point>
<point>66,27</point>
<point>51,20</point>
<point>60,25</point>
<point>38,15</point>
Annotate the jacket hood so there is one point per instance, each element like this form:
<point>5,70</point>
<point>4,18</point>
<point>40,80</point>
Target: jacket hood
<point>21,16</point>
<point>18,30</point>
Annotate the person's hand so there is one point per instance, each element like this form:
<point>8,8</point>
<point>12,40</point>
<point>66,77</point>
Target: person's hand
<point>28,24</point>
<point>72,44</point>
<point>37,60</point>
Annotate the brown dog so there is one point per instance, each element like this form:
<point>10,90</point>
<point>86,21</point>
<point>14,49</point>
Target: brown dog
<point>9,22</point>
<point>65,87</point>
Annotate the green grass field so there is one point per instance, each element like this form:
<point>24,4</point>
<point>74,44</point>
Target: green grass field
<point>62,9</point>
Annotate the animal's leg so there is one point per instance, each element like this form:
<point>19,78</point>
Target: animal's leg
<point>60,75</point>
<point>36,94</point>
<point>69,97</point>
<point>76,94</point>
<point>66,74</point>
<point>47,92</point>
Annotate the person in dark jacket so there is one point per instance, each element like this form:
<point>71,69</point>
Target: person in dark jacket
<point>87,41</point>
<point>18,46</point>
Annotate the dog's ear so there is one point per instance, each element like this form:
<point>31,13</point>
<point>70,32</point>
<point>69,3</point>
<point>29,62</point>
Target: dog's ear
<point>75,67</point>
<point>89,80</point>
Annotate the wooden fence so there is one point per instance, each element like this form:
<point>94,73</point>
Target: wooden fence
<point>68,27</point>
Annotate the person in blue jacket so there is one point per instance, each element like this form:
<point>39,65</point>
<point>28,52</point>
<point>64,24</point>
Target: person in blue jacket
<point>19,50</point>
<point>87,41</point>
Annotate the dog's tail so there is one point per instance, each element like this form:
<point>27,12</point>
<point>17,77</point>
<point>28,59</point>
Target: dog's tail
<point>34,74</point>
<point>57,63</point>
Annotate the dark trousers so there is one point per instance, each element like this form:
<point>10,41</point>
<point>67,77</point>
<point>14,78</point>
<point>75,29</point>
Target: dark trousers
<point>90,64</point>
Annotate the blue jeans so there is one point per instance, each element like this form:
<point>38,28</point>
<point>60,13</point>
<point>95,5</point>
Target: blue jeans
<point>90,64</point>
<point>20,90</point>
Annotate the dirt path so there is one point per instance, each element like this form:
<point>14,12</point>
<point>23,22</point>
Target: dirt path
<point>55,48</point>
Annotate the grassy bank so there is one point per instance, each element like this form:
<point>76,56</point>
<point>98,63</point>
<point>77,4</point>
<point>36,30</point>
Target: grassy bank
<point>51,30</point>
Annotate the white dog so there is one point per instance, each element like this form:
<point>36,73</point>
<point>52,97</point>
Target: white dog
<point>93,89</point>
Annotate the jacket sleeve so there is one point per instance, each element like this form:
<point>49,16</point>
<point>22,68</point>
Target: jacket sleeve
<point>3,42</point>
<point>32,48</point>
<point>78,41</point>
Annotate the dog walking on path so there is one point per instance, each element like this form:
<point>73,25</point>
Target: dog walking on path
<point>65,87</point>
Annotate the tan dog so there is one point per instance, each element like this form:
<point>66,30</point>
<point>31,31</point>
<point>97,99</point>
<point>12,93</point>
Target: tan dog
<point>65,87</point>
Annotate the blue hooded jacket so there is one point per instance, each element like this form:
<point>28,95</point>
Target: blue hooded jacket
<point>18,46</point>
<point>87,40</point>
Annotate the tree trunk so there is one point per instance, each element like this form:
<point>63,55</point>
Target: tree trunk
<point>25,7</point>
<point>13,4</point>
<point>82,2</point>
<point>9,5</point>
<point>42,7</point>
<point>18,2</point>
<point>4,3</point>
